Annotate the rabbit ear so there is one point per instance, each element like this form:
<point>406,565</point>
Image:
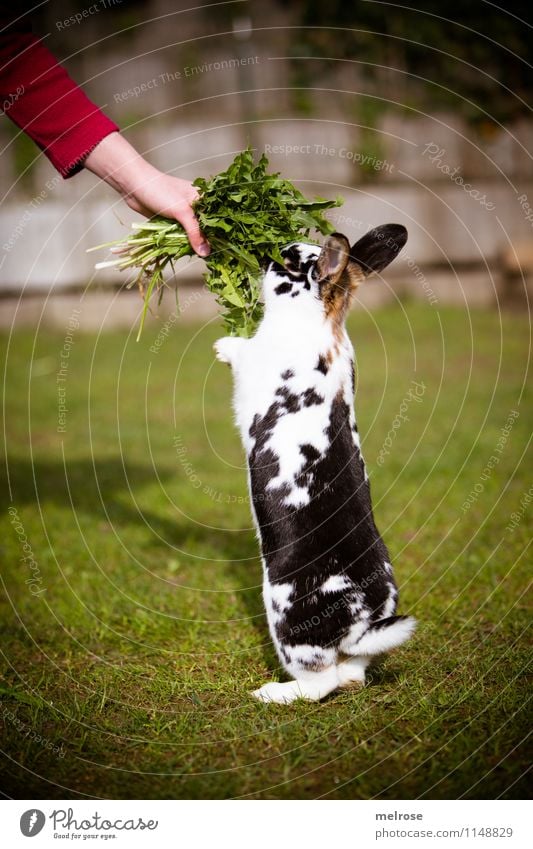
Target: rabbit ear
<point>333,258</point>
<point>334,277</point>
<point>378,247</point>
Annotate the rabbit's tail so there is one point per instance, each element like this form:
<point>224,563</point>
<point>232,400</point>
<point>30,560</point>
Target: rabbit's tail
<point>384,635</point>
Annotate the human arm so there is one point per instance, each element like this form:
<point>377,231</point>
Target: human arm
<point>40,97</point>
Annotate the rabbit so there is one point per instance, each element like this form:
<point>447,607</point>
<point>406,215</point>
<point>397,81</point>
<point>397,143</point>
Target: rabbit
<point>328,588</point>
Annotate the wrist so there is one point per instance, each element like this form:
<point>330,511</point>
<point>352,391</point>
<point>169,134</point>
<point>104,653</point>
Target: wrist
<point>117,162</point>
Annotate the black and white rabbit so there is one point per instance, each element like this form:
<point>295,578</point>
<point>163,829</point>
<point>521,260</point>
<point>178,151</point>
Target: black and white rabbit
<point>328,588</point>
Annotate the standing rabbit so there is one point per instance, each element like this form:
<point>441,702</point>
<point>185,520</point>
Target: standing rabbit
<point>328,588</point>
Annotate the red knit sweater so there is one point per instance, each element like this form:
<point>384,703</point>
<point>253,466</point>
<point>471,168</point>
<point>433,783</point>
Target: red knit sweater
<point>40,97</point>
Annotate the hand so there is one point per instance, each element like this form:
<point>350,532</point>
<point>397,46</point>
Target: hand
<point>172,197</point>
<point>144,188</point>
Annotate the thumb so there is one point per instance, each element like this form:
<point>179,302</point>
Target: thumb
<point>199,243</point>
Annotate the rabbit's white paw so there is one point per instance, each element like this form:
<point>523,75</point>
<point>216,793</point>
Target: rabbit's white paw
<point>312,686</point>
<point>281,694</point>
<point>227,348</point>
<point>351,672</point>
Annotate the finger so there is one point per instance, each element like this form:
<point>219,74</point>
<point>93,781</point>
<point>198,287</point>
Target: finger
<point>199,243</point>
<point>194,194</point>
<point>186,192</point>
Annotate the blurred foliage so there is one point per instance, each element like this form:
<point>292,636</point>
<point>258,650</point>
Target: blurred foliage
<point>473,57</point>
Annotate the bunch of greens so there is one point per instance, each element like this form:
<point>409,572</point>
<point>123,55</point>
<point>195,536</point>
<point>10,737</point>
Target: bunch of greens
<point>247,215</point>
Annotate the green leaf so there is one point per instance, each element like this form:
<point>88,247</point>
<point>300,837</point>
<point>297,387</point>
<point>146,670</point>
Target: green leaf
<point>232,296</point>
<point>247,215</point>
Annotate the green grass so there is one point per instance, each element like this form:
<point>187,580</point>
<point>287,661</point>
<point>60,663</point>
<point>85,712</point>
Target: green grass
<point>139,655</point>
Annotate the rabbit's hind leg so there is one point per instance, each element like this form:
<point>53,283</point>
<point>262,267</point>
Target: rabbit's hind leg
<point>351,672</point>
<point>312,686</point>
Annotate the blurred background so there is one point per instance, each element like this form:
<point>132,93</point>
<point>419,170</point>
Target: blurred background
<point>131,620</point>
<point>420,117</point>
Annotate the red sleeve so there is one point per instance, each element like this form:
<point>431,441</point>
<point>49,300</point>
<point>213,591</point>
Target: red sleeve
<point>40,97</point>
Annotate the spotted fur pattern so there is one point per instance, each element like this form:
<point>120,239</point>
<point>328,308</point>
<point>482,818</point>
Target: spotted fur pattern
<point>329,590</point>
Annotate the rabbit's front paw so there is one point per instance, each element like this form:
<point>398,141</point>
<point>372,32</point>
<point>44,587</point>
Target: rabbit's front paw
<point>227,348</point>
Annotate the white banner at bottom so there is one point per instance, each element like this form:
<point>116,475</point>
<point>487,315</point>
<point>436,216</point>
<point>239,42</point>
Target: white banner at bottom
<point>265,824</point>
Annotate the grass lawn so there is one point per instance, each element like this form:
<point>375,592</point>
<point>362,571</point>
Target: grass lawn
<point>132,639</point>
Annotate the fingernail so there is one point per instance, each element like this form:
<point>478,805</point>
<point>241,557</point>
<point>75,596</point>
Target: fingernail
<point>204,249</point>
